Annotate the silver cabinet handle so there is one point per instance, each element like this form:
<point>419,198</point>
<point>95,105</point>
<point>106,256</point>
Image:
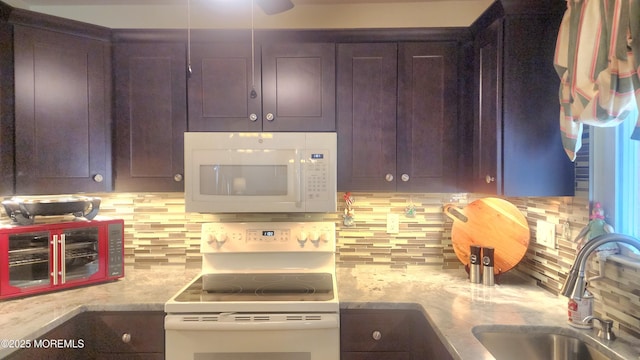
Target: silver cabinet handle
<point>269,117</point>
<point>489,179</point>
<point>376,335</point>
<point>388,177</point>
<point>126,338</point>
<point>405,177</point>
<point>98,178</point>
<point>253,117</point>
<point>177,177</point>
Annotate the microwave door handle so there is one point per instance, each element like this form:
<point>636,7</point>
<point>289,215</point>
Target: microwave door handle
<point>54,270</point>
<point>63,256</point>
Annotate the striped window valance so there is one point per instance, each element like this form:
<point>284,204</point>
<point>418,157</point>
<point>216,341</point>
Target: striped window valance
<point>596,57</point>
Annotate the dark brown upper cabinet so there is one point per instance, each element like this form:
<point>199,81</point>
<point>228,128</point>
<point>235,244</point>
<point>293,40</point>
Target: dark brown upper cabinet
<point>288,87</point>
<point>150,116</point>
<point>517,149</point>
<point>397,116</point>
<point>62,112</point>
<point>7,174</point>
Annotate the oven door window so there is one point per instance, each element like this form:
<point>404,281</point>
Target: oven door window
<point>29,258</point>
<point>252,356</point>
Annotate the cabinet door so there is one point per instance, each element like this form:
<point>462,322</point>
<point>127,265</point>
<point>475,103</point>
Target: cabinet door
<point>534,162</point>
<point>62,112</point>
<point>366,116</point>
<point>375,356</point>
<point>487,175</point>
<point>427,117</point>
<point>375,330</point>
<point>150,94</point>
<point>6,109</point>
<point>298,83</point>
<point>224,88</point>
<point>78,343</point>
<point>129,332</point>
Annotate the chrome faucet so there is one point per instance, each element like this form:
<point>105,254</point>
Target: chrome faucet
<point>574,286</point>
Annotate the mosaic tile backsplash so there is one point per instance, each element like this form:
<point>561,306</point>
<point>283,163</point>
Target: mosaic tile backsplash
<point>159,233</point>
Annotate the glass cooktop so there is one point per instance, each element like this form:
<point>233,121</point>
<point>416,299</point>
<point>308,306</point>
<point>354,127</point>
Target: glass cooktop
<point>259,287</point>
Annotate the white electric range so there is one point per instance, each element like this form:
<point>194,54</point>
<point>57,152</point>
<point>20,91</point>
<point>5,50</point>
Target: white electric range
<point>267,291</point>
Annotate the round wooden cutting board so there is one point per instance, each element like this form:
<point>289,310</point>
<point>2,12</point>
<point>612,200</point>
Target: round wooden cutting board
<point>490,222</point>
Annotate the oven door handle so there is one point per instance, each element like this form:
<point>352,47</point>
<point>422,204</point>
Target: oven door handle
<point>203,323</point>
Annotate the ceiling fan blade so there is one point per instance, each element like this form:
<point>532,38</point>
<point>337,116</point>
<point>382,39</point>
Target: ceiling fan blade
<point>272,7</point>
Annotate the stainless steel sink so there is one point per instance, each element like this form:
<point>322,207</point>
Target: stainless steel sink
<point>543,343</point>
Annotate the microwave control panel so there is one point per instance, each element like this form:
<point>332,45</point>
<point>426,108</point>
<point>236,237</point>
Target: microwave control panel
<point>317,174</point>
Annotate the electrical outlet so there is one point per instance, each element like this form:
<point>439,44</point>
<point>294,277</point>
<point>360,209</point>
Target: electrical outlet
<point>393,223</point>
<point>546,234</point>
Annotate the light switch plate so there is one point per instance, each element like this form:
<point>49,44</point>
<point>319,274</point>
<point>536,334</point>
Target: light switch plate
<point>546,234</point>
<point>393,223</point>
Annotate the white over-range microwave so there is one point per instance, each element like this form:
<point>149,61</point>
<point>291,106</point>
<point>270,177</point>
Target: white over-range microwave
<point>260,172</point>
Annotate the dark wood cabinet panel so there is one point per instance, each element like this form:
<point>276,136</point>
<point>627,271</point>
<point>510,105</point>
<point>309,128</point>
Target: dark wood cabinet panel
<point>298,82</point>
<point>76,332</point>
<point>366,111</point>
<point>103,335</point>
<point>150,116</point>
<point>129,332</point>
<point>427,117</point>
<point>62,112</point>
<point>6,109</point>
<point>375,331</point>
<point>220,88</point>
<point>517,144</point>
<point>372,334</point>
<point>487,174</point>
<point>397,116</point>
<point>288,87</point>
<point>376,356</point>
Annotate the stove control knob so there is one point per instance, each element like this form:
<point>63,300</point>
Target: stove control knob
<point>302,238</point>
<point>317,237</point>
<point>219,239</point>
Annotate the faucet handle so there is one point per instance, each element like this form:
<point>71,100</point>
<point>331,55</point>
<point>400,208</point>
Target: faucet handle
<point>606,329</point>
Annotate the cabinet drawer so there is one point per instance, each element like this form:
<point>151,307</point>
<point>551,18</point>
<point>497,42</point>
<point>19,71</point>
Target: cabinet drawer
<point>375,356</point>
<point>130,356</point>
<point>375,331</point>
<point>145,332</point>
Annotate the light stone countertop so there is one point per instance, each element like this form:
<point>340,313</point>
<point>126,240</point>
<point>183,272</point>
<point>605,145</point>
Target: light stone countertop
<point>452,304</point>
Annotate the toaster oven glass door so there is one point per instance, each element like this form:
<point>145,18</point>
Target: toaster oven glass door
<point>29,259</point>
<point>79,256</point>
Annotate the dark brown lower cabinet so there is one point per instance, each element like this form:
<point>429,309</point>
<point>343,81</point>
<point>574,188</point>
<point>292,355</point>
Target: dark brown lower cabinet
<point>128,335</point>
<point>375,355</point>
<point>101,335</point>
<point>368,334</point>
